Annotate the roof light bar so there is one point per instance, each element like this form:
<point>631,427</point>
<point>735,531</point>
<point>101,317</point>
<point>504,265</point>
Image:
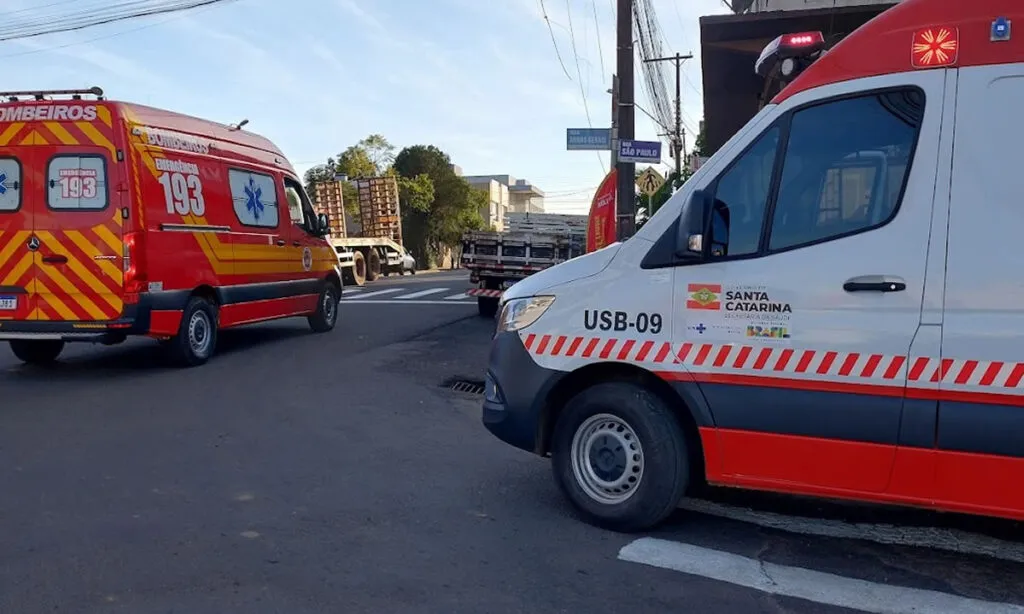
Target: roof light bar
<point>798,45</point>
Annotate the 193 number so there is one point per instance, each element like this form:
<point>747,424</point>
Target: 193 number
<point>78,187</point>
<point>183,193</point>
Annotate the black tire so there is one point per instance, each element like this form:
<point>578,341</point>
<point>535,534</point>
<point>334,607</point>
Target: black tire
<point>662,456</point>
<point>196,340</point>
<point>325,317</point>
<point>373,266</point>
<point>357,273</point>
<point>412,271</point>
<point>37,351</point>
<point>487,306</point>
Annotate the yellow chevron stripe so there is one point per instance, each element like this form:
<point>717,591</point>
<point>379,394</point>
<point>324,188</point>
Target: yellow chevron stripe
<point>81,271</point>
<point>32,138</point>
<point>18,270</point>
<point>109,238</point>
<point>36,314</point>
<point>9,133</point>
<point>112,271</point>
<point>97,137</point>
<point>104,114</point>
<point>54,301</point>
<point>71,290</point>
<point>61,133</point>
<point>13,243</point>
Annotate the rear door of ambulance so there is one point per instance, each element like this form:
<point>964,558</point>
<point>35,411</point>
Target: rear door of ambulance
<point>72,206</point>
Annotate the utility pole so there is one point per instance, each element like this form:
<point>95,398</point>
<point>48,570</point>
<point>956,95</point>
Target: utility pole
<point>626,192</point>
<point>679,133</point>
<point>615,121</point>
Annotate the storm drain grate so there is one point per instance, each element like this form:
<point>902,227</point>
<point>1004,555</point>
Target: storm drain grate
<point>464,385</point>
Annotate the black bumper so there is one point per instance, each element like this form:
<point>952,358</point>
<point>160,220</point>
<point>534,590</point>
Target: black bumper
<point>515,393</point>
<point>134,320</point>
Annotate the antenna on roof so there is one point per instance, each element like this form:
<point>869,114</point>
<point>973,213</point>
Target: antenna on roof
<point>239,125</point>
<point>44,94</point>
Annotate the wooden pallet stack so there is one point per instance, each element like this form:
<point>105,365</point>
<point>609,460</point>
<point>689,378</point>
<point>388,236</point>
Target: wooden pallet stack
<point>378,208</point>
<point>330,199</point>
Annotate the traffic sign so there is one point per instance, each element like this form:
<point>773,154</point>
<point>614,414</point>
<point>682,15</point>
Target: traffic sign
<point>640,151</point>
<point>650,181</point>
<point>598,139</point>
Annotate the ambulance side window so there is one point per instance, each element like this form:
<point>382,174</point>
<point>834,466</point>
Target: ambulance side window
<point>845,167</point>
<point>299,208</point>
<point>10,185</point>
<point>741,197</point>
<point>255,198</point>
<point>77,183</point>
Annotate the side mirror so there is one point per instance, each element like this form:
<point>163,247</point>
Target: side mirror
<point>692,238</point>
<point>323,224</point>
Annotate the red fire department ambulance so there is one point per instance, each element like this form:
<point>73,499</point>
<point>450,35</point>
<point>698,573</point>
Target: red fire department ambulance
<point>832,305</point>
<point>118,219</point>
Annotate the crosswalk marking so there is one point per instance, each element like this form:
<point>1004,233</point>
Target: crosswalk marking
<point>420,293</point>
<point>807,584</point>
<point>375,293</point>
<point>406,296</point>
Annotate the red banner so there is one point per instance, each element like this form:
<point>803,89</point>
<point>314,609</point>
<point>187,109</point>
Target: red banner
<point>601,224</point>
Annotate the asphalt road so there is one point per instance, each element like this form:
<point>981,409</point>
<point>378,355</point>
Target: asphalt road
<point>333,473</point>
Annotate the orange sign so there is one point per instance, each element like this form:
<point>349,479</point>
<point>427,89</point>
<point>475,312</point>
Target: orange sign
<point>935,47</point>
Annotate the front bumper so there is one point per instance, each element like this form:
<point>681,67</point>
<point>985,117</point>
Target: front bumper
<point>515,393</point>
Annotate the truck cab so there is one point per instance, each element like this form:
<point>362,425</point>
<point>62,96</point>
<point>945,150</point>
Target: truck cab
<point>813,313</point>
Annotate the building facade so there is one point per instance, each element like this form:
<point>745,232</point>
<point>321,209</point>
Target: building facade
<point>523,196</point>
<point>493,213</point>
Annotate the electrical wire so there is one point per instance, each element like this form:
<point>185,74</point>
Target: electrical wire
<point>554,42</point>
<point>50,23</point>
<point>579,77</point>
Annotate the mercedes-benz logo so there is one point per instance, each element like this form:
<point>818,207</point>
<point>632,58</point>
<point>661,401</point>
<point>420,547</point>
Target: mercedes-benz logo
<point>33,243</point>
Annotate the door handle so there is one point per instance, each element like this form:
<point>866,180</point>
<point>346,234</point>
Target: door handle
<point>280,242</point>
<point>55,259</point>
<point>875,283</point>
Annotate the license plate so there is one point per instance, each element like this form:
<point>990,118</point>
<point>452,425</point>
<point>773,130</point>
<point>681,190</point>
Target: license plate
<point>8,303</point>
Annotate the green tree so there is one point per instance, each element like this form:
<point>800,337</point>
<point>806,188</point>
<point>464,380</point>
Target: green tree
<point>453,209</point>
<point>700,145</point>
<point>379,151</point>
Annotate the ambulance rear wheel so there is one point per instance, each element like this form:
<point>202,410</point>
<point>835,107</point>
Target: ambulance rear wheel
<point>37,352</point>
<point>620,456</point>
<point>487,306</point>
<point>197,334</point>
<point>326,315</point>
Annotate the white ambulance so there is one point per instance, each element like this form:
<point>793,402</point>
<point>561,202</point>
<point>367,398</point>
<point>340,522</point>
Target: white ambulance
<point>833,305</point>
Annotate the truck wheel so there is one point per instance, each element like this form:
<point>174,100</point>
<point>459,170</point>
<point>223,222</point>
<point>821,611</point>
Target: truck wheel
<point>487,306</point>
<point>373,268</point>
<point>326,315</point>
<point>619,454</point>
<point>356,275</point>
<point>37,352</point>
<point>197,334</point>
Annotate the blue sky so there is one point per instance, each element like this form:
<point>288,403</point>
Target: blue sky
<point>478,78</point>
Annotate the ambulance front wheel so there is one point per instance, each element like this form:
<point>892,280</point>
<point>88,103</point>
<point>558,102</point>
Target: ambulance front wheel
<point>197,334</point>
<point>37,352</point>
<point>619,454</point>
<point>326,315</point>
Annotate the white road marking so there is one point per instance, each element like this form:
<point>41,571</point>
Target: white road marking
<point>456,297</point>
<point>406,302</point>
<point>375,293</point>
<point>951,540</point>
<point>420,293</point>
<point>807,584</point>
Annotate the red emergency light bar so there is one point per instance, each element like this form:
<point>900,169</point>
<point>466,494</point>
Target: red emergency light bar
<point>790,53</point>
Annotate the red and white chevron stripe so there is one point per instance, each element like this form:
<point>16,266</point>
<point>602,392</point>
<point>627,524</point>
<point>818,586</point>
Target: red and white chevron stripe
<point>484,292</point>
<point>782,362</point>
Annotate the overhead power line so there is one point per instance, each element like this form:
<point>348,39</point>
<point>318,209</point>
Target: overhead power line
<point>40,22</point>
<point>554,42</point>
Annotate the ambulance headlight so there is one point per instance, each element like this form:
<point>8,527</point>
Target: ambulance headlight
<point>519,313</point>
